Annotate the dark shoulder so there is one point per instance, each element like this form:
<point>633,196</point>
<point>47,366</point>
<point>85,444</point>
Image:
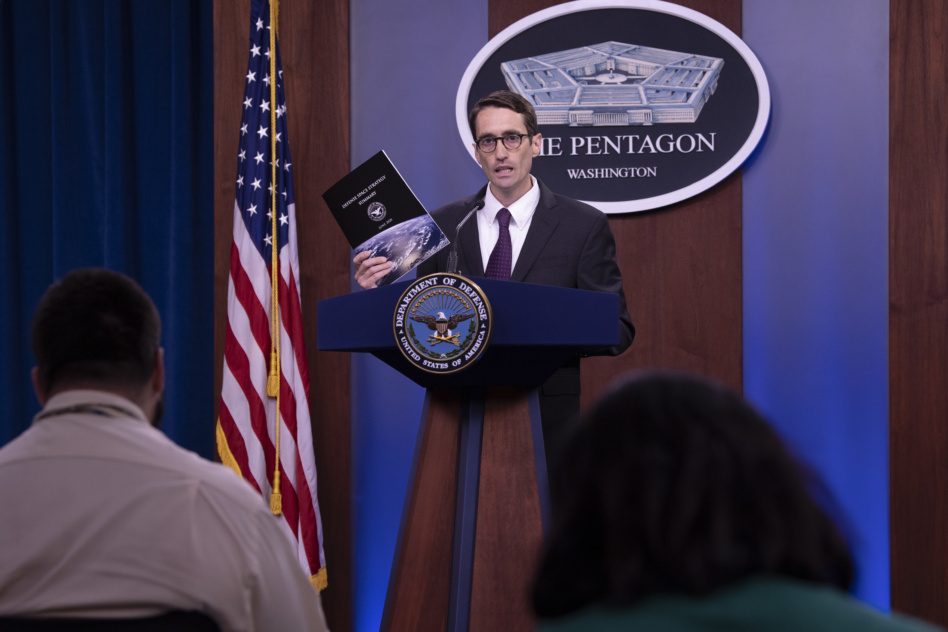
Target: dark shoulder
<point>801,605</point>
<point>574,208</point>
<point>582,218</point>
<point>577,207</point>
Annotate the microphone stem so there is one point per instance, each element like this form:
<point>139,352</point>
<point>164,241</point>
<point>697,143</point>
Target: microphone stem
<point>453,256</point>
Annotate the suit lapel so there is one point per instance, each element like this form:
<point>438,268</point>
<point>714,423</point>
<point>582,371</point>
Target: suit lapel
<point>544,222</point>
<point>469,250</point>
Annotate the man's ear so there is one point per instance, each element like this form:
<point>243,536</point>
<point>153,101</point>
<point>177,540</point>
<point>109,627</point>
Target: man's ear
<point>158,374</point>
<point>40,395</point>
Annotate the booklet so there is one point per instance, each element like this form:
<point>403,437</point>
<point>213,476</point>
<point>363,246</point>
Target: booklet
<point>378,212</point>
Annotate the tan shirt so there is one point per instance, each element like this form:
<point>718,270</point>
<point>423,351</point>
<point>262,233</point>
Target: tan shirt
<point>102,515</point>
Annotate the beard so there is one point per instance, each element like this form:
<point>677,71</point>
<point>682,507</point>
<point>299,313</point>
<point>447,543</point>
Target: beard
<point>159,411</point>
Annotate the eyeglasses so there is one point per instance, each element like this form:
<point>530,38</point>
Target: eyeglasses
<point>511,141</point>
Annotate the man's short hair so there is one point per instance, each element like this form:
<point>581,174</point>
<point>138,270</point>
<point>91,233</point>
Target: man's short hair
<point>510,101</point>
<point>95,326</point>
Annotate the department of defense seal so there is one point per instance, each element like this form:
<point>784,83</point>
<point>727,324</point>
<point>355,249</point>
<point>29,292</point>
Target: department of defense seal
<point>377,211</point>
<point>442,323</point>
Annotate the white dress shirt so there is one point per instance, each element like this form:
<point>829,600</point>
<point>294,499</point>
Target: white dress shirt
<point>104,516</point>
<point>521,214</point>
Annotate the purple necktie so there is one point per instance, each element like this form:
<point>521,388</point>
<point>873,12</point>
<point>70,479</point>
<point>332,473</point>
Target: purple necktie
<point>501,258</point>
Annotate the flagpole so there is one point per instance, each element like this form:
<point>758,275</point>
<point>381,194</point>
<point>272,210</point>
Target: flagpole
<point>264,329</point>
<point>273,380</point>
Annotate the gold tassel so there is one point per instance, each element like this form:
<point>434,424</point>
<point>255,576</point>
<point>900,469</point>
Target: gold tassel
<point>276,498</point>
<point>273,378</point>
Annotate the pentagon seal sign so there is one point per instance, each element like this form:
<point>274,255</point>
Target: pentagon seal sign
<point>442,323</point>
<point>640,103</point>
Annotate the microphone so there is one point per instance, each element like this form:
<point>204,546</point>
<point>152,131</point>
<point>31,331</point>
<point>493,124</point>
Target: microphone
<point>453,256</point>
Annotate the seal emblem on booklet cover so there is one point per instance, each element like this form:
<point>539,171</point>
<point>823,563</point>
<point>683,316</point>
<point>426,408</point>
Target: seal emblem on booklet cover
<point>442,323</point>
<point>377,211</point>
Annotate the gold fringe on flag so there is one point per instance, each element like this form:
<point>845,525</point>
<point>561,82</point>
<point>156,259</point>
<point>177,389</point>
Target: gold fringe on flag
<point>320,580</point>
<point>223,450</point>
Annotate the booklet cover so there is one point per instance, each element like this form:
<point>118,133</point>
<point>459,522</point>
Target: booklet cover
<point>378,212</point>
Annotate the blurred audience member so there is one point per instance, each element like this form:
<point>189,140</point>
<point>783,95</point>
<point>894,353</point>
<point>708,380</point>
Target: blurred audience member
<point>103,517</point>
<point>681,510</point>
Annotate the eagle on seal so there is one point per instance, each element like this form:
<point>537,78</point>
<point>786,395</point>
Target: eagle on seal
<point>442,326</point>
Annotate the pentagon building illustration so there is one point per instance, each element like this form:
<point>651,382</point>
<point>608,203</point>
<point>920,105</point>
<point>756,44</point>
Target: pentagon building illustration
<point>615,84</point>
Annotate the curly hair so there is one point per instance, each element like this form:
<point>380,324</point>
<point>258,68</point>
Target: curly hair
<point>672,483</point>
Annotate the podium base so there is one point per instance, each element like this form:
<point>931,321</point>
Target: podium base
<point>473,521</point>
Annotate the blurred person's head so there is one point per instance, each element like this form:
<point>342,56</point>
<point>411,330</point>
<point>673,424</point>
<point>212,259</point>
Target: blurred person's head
<point>97,329</point>
<point>672,483</point>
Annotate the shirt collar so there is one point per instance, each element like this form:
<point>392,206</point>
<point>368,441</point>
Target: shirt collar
<point>90,398</point>
<point>520,211</point>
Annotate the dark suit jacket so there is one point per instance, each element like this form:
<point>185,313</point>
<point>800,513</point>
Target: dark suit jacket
<point>569,244</point>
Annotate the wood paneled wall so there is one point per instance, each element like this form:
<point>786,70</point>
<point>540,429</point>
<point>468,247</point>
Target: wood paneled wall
<point>314,47</point>
<point>918,307</point>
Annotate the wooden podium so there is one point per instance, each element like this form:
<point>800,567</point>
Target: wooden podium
<point>477,502</point>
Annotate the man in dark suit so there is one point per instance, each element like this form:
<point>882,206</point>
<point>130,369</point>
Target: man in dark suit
<point>549,239</point>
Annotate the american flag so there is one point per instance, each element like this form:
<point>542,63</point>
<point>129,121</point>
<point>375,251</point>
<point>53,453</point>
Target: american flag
<point>247,429</point>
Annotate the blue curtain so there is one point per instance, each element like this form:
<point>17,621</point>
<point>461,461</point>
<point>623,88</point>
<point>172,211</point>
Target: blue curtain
<point>106,160</point>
